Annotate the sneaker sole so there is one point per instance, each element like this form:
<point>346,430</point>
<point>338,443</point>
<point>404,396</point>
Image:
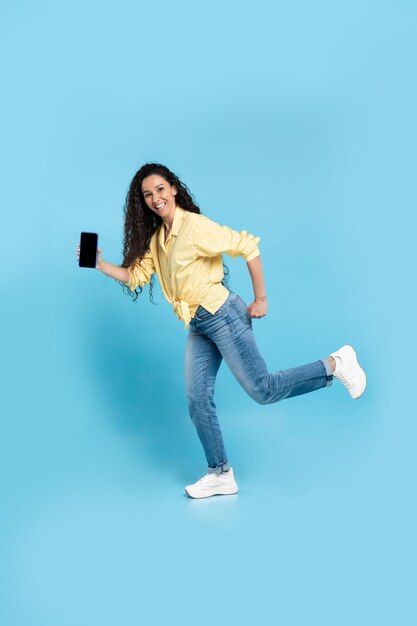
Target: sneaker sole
<point>210,495</point>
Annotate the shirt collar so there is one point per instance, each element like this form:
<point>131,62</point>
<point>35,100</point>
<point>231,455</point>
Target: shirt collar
<point>176,224</point>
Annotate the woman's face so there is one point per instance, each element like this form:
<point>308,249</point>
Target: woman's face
<point>159,195</point>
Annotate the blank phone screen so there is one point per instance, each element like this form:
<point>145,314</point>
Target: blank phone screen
<point>88,250</point>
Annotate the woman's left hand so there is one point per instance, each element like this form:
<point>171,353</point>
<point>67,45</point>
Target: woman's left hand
<point>258,308</point>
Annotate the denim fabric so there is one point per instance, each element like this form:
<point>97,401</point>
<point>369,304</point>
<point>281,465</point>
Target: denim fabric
<point>228,335</point>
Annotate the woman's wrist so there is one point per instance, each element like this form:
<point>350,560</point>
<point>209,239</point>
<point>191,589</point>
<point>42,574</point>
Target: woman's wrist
<point>260,298</point>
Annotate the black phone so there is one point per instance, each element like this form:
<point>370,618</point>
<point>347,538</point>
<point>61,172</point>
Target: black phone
<point>88,250</point>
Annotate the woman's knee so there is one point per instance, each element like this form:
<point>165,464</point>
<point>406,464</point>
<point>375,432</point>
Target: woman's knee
<point>199,404</point>
<point>261,394</point>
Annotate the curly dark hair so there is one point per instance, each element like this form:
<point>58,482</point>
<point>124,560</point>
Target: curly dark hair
<point>140,222</point>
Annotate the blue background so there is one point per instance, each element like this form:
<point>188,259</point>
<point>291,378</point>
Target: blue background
<point>297,122</point>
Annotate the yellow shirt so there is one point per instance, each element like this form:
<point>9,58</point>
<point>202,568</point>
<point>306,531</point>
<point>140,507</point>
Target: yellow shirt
<point>189,264</point>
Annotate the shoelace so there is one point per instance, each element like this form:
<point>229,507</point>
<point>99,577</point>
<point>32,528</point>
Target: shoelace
<point>343,380</point>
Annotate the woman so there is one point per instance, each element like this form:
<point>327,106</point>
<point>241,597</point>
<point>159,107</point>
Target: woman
<point>166,234</point>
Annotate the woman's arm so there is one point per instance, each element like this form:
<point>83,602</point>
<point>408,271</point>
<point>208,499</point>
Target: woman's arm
<point>259,306</point>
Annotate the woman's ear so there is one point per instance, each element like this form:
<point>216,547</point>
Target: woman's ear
<point>174,190</point>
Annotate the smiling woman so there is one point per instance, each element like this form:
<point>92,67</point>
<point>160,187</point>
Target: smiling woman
<point>165,234</point>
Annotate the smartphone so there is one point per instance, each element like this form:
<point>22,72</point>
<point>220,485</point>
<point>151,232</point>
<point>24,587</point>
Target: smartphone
<point>88,250</point>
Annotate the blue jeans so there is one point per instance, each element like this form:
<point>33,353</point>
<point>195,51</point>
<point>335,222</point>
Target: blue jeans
<point>228,334</point>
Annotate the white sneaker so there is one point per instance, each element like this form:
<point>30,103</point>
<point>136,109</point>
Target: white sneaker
<point>213,485</point>
<point>349,372</point>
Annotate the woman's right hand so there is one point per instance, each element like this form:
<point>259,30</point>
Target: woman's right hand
<point>117,272</point>
<point>99,258</point>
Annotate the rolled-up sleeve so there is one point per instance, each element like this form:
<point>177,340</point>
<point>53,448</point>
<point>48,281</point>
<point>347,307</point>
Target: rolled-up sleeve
<point>210,239</point>
<point>140,272</point>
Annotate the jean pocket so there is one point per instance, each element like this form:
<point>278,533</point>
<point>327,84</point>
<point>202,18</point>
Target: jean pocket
<point>240,307</point>
<point>202,313</point>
